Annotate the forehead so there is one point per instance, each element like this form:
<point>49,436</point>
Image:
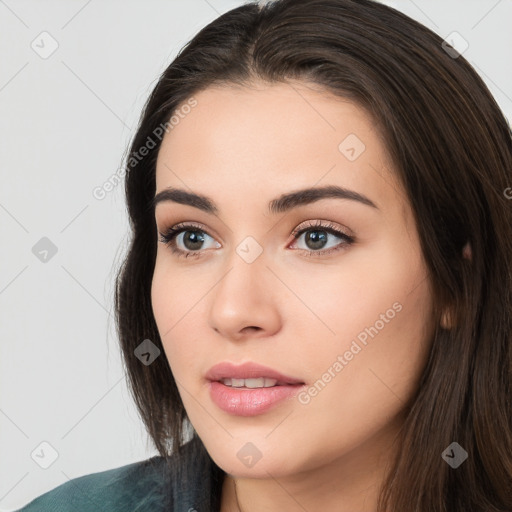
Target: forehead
<point>265,139</point>
<point>279,118</point>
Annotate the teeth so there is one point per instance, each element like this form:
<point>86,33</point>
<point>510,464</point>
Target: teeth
<point>261,382</point>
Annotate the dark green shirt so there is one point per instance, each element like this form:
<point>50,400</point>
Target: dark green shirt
<point>189,483</point>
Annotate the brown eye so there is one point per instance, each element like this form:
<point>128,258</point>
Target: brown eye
<point>317,237</point>
<point>192,240</point>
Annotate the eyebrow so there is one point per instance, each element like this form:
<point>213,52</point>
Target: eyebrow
<point>281,204</point>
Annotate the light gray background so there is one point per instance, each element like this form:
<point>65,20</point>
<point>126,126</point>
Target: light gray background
<point>64,125</point>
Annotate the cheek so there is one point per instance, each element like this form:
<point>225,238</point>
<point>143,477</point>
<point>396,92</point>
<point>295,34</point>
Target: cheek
<point>340,301</point>
<point>163,301</point>
<point>377,371</point>
<point>167,310</point>
<point>377,308</point>
<point>174,291</point>
<point>178,304</point>
<point>362,380</point>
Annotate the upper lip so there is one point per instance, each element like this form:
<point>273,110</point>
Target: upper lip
<point>227,370</point>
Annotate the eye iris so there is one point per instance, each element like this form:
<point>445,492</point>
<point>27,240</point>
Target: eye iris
<point>318,240</point>
<point>193,237</point>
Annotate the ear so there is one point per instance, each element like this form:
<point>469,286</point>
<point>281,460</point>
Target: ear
<point>446,319</point>
<point>466,251</point>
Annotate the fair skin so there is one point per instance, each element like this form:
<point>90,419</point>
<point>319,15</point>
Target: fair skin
<point>293,312</point>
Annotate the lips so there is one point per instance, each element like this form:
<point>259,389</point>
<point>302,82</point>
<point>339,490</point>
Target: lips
<point>229,373</point>
<point>249,389</point>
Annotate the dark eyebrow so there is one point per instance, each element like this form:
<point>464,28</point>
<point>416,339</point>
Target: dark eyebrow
<point>282,204</point>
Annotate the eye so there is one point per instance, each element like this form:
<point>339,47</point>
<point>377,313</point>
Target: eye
<point>317,237</point>
<point>192,239</point>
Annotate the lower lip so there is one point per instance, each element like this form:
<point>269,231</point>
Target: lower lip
<point>250,402</point>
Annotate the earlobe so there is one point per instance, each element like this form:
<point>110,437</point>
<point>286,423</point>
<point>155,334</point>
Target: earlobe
<point>446,320</point>
<point>466,251</point>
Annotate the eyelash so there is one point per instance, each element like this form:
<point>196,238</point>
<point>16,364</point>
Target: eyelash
<point>168,238</point>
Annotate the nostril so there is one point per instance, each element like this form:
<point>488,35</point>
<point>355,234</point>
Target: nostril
<point>251,327</point>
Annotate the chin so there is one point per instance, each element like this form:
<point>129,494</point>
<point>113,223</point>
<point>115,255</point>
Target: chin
<point>253,457</point>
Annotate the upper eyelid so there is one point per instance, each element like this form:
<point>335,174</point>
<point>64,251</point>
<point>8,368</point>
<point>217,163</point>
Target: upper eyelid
<point>297,231</point>
<point>185,225</point>
<point>323,224</point>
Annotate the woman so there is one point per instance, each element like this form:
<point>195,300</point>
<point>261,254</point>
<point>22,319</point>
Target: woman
<point>315,307</point>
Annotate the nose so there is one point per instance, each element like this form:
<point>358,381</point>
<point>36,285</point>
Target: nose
<point>244,303</point>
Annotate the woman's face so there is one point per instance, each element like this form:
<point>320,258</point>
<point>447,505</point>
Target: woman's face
<point>342,312</point>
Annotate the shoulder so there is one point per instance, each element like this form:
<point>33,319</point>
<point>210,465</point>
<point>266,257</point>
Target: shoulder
<point>176,483</point>
<point>122,488</point>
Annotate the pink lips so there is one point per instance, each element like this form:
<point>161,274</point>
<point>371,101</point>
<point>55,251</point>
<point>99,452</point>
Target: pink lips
<point>245,401</point>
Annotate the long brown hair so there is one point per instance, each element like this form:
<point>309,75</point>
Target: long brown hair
<point>451,148</point>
